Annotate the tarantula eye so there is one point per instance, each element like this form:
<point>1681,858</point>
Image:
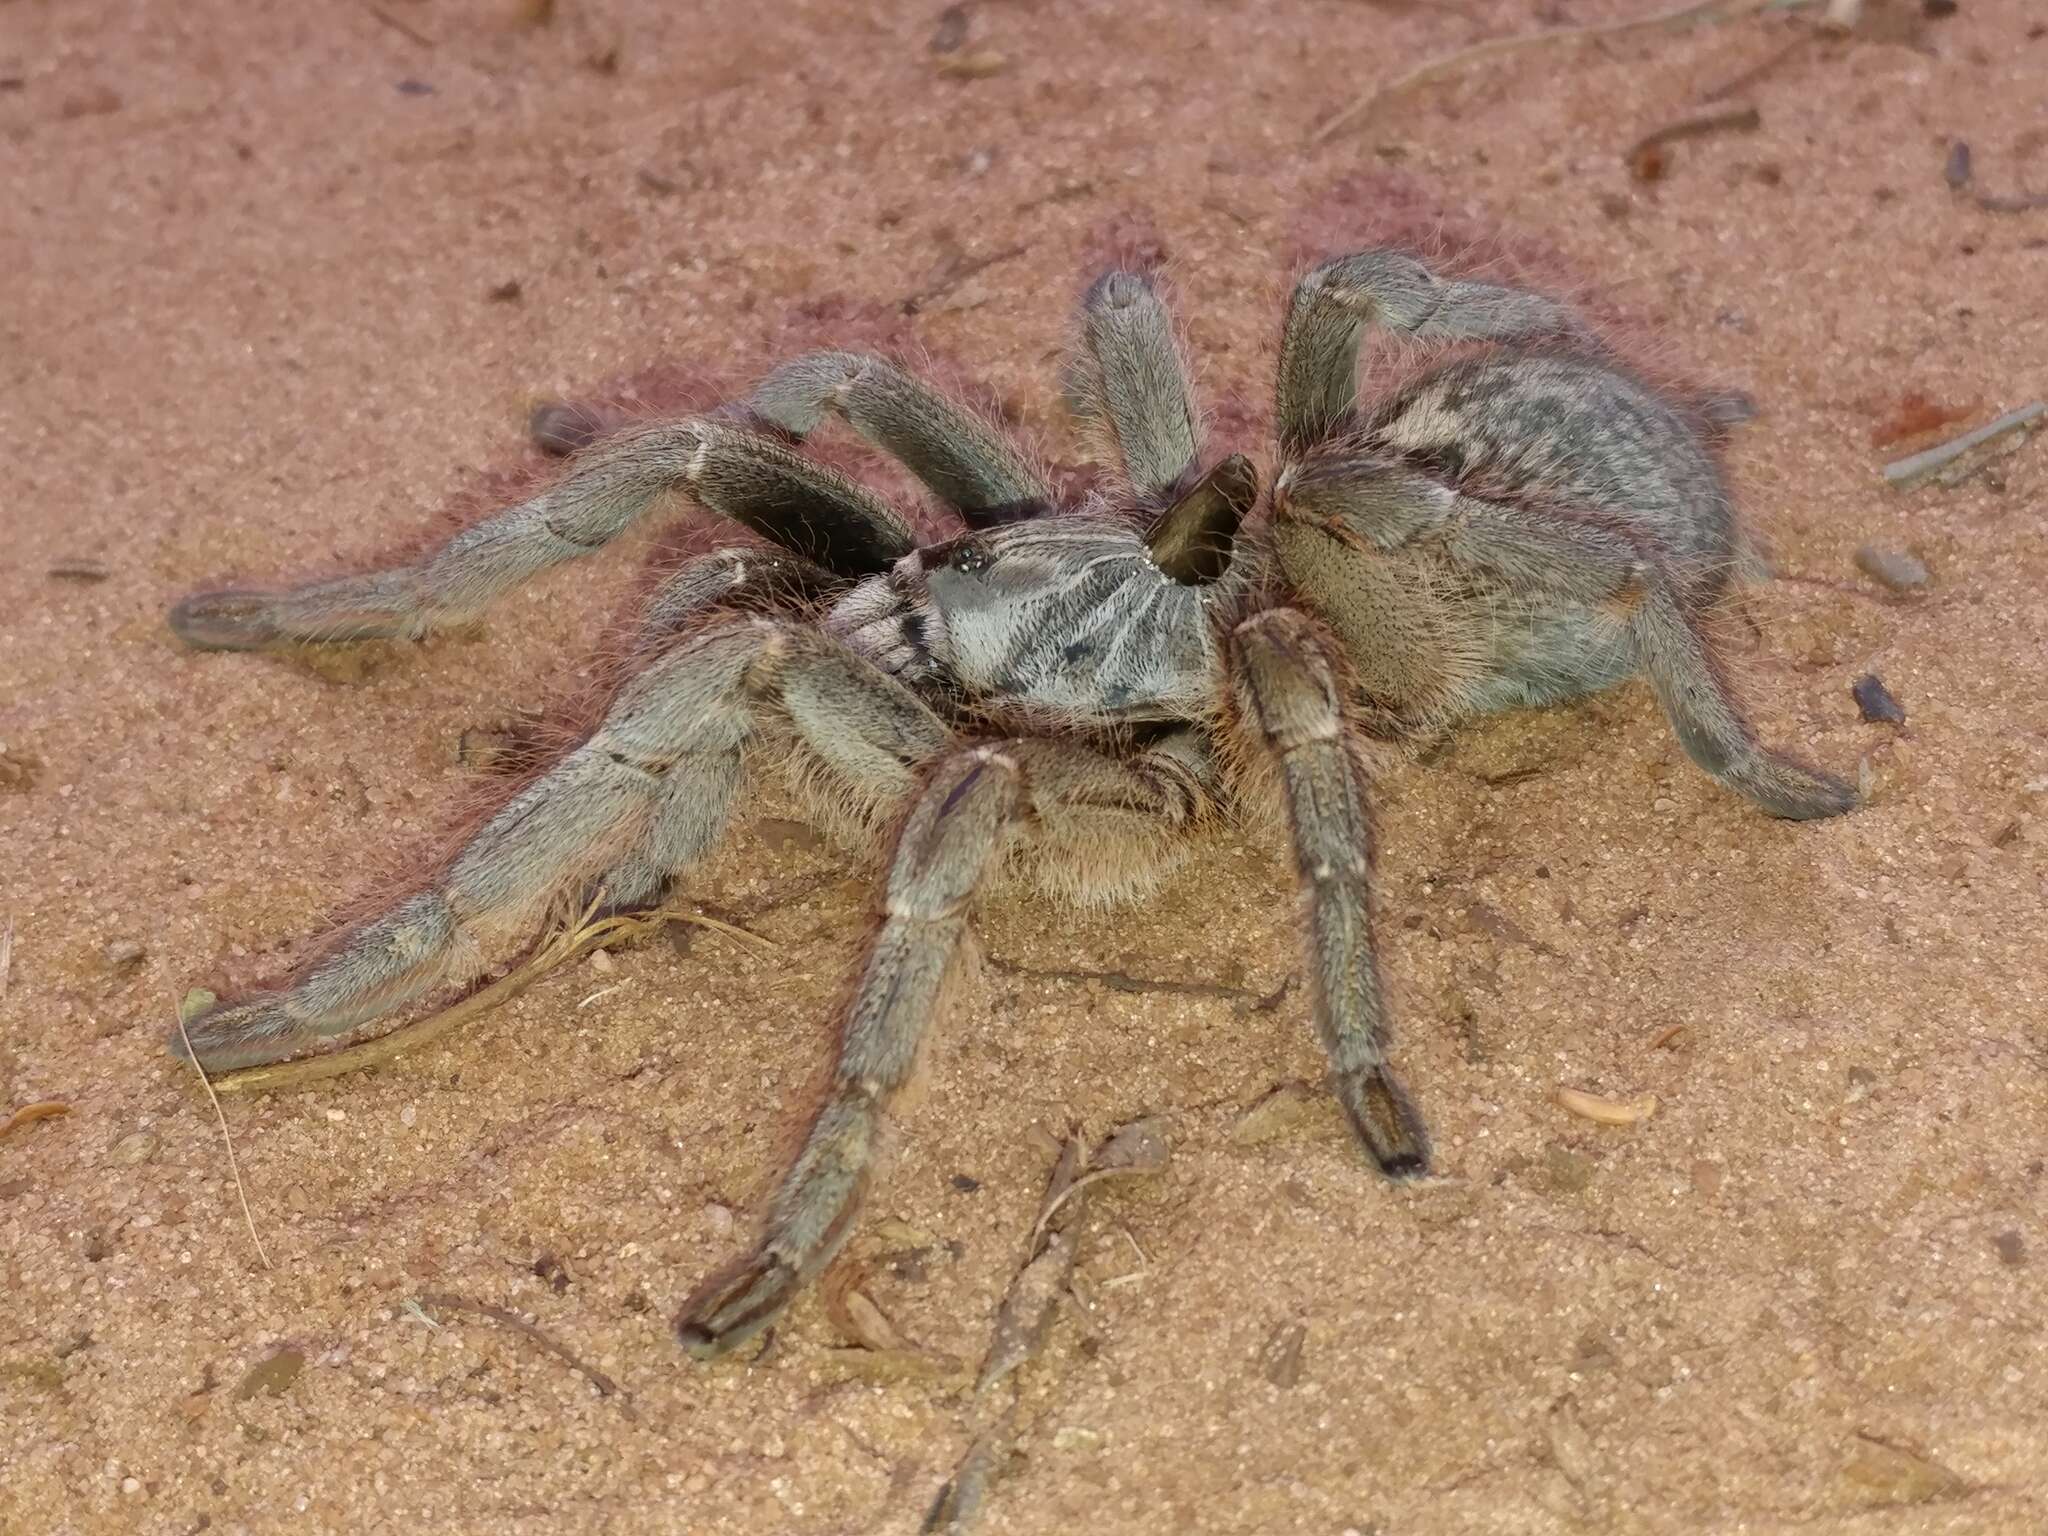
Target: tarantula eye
<point>968,555</point>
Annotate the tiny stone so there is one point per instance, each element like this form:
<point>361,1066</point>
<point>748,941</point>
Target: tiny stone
<point>271,1375</point>
<point>602,963</point>
<point>1876,702</point>
<point>131,1486</point>
<point>1663,803</point>
<point>136,1147</point>
<point>718,1219</point>
<point>123,955</point>
<point>950,34</point>
<point>507,292</point>
<point>1075,1437</point>
<point>1280,1360</point>
<point>1894,568</point>
<point>966,1183</point>
<point>408,1115</point>
<point>2012,1248</point>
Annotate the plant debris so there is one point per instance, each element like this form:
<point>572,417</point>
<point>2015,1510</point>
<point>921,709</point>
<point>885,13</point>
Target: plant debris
<point>29,1114</point>
<point>1915,416</point>
<point>1605,1111</point>
<point>1876,701</point>
<point>449,1301</point>
<point>1647,159</point>
<point>1026,1315</point>
<point>194,1003</point>
<point>78,569</point>
<point>1911,470</point>
<point>1678,18</point>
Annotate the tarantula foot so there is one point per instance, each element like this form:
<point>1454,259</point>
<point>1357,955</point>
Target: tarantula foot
<point>735,1304</point>
<point>1386,1121</point>
<point>226,621</point>
<point>1787,788</point>
<point>246,1034</point>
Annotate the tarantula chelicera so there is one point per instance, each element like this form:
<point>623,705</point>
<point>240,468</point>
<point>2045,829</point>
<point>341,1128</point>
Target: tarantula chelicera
<point>1521,520</point>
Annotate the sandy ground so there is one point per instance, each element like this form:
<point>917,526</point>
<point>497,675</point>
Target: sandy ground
<point>282,280</point>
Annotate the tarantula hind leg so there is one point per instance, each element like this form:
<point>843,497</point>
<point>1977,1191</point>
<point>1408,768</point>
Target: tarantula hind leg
<point>1284,675</point>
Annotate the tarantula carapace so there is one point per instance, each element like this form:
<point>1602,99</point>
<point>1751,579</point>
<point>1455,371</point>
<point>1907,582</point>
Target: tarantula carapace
<point>1520,520</point>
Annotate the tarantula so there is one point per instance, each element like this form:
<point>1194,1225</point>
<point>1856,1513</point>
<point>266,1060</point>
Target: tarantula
<point>1519,521</point>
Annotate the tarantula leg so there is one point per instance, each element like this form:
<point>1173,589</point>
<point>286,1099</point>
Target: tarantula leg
<point>1104,828</point>
<point>1331,305</point>
<point>734,472</point>
<point>964,461</point>
<point>1693,687</point>
<point>651,791</point>
<point>1285,682</point>
<point>738,578</point>
<point>1128,387</point>
<point>953,838</point>
<point>1600,565</point>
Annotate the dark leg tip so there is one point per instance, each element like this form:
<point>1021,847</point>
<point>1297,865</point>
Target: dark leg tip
<point>1386,1121</point>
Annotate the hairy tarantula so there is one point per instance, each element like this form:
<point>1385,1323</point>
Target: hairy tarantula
<point>1521,520</point>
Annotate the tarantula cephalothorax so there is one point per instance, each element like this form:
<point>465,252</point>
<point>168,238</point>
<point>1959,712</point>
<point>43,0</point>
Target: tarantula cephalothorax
<point>1521,521</point>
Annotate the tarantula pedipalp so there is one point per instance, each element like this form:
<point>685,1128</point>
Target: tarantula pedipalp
<point>1521,521</point>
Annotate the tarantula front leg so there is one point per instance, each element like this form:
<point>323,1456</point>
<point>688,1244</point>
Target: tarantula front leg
<point>954,840</point>
<point>1128,386</point>
<point>650,790</point>
<point>734,472</point>
<point>1285,681</point>
<point>1332,304</point>
<point>960,457</point>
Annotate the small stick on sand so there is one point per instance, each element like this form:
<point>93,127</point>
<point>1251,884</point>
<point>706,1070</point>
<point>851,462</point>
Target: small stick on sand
<point>234,1169</point>
<point>606,1387</point>
<point>1694,13</point>
<point>1918,466</point>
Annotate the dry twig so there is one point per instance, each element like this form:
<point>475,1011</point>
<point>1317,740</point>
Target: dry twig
<point>234,1169</point>
<point>605,1386</point>
<point>1918,466</point>
<point>1693,13</point>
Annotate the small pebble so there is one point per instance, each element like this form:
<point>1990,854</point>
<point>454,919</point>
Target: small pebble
<point>408,1115</point>
<point>1876,701</point>
<point>1957,171</point>
<point>1893,568</point>
<point>1280,1360</point>
<point>2012,1249</point>
<point>123,955</point>
<point>602,963</point>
